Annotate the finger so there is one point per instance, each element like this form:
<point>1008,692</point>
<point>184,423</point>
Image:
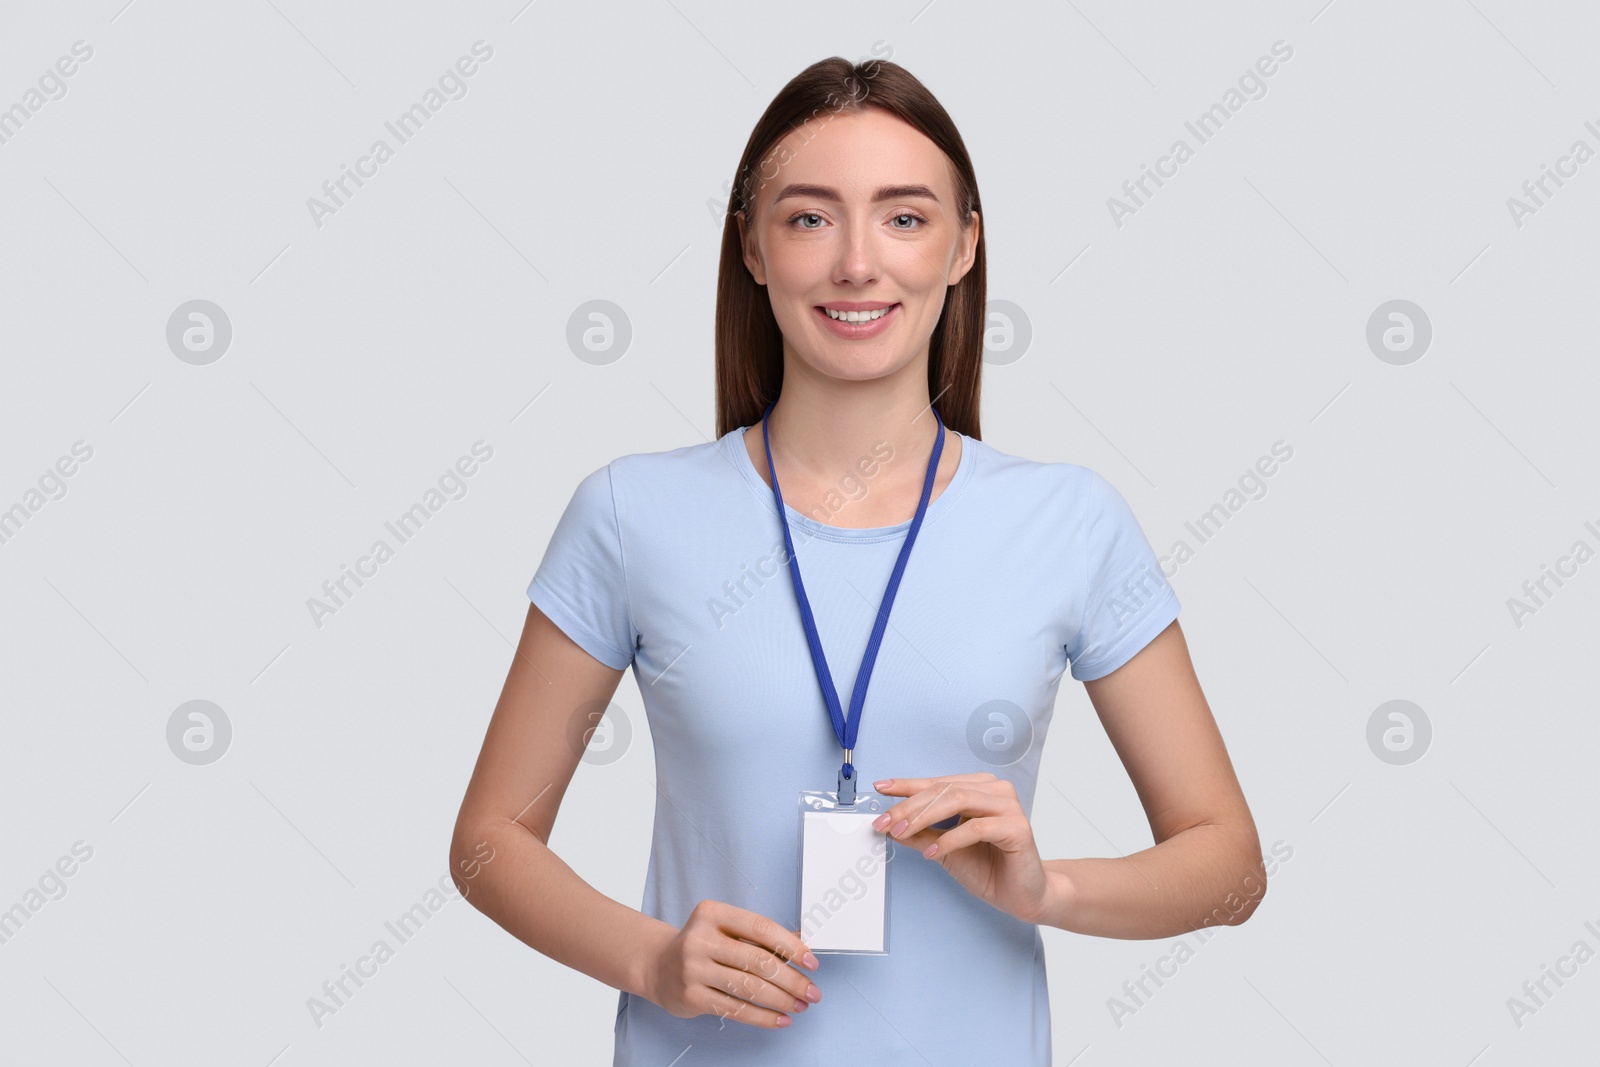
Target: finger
<point>940,802</point>
<point>920,840</point>
<point>969,833</point>
<point>763,932</point>
<point>769,992</point>
<point>764,968</point>
<point>900,787</point>
<point>756,944</point>
<point>731,1007</point>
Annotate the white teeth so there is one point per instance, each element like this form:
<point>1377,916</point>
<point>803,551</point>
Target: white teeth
<point>858,316</point>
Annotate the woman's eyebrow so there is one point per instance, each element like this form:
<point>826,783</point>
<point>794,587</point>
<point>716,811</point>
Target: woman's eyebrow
<point>827,192</point>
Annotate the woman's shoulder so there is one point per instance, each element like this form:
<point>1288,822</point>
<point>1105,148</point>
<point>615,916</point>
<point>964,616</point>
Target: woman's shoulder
<point>664,480</point>
<point>1059,481</point>
<point>685,462</point>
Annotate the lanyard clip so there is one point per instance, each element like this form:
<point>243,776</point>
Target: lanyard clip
<point>847,781</point>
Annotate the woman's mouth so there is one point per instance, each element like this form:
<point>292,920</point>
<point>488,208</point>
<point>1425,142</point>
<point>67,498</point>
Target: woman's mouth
<point>858,325</point>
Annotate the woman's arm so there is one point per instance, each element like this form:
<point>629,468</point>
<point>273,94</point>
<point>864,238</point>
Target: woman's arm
<point>523,770</point>
<point>1205,868</point>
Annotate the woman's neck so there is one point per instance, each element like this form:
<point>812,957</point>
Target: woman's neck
<point>854,454</point>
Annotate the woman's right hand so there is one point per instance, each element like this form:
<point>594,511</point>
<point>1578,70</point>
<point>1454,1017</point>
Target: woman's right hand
<point>733,963</point>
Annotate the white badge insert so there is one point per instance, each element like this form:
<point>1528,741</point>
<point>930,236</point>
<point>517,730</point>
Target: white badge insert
<point>844,874</point>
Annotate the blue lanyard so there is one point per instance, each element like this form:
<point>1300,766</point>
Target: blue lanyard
<point>846,731</point>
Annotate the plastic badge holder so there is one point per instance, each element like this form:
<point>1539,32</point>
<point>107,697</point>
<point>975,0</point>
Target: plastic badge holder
<point>844,874</point>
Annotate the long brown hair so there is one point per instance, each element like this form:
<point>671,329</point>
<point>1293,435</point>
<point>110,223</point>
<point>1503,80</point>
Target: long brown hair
<point>749,346</point>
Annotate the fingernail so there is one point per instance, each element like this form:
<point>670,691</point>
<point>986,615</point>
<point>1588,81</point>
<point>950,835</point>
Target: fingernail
<point>810,961</point>
<point>900,827</point>
<point>881,821</point>
<point>884,784</point>
<point>813,994</point>
<point>801,1005</point>
<point>784,1020</point>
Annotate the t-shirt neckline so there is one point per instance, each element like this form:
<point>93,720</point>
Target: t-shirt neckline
<point>733,441</point>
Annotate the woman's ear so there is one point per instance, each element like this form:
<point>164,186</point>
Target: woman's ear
<point>967,250</point>
<point>751,249</point>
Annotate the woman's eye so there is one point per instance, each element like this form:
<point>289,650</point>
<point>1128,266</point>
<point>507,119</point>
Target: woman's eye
<point>911,220</point>
<point>905,220</point>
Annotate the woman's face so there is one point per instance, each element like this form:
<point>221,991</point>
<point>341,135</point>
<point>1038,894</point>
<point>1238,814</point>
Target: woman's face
<point>856,211</point>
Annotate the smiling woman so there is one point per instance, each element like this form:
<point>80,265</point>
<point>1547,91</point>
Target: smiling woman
<point>849,320</point>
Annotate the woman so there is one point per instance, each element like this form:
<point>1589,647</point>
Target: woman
<point>849,345</point>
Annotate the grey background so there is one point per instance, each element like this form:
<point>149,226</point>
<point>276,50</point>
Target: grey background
<point>432,311</point>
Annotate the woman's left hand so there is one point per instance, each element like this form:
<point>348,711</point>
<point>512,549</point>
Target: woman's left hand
<point>990,852</point>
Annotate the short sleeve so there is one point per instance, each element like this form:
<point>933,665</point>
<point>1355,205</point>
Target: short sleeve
<point>1126,599</point>
<point>581,584</point>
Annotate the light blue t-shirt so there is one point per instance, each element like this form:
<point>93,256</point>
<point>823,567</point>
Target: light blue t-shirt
<point>675,562</point>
